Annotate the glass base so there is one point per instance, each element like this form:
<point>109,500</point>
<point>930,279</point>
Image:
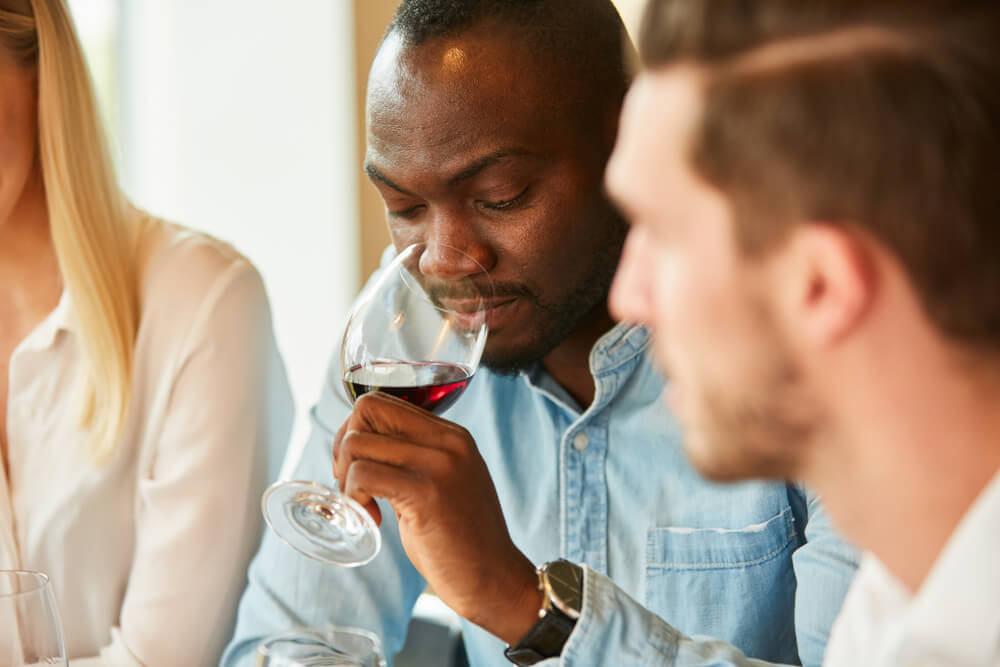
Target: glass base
<point>320,523</point>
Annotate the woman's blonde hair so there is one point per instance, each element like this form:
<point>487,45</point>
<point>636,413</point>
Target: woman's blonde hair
<point>92,225</point>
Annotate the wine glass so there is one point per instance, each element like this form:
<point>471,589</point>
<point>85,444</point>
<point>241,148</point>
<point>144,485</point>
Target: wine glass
<point>413,335</point>
<point>327,647</point>
<point>30,630</point>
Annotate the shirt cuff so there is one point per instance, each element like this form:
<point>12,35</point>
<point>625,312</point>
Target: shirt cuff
<point>615,629</point>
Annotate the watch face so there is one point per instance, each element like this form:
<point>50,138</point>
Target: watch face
<point>565,582</point>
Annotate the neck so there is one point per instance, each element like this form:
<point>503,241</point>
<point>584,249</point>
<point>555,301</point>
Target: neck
<point>911,456</point>
<point>569,362</point>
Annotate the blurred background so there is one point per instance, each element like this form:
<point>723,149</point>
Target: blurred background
<point>244,118</point>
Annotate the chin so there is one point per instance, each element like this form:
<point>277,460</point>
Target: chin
<point>709,465</point>
<point>512,357</point>
<point>718,461</point>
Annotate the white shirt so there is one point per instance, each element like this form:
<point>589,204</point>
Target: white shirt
<point>953,620</point>
<point>147,554</point>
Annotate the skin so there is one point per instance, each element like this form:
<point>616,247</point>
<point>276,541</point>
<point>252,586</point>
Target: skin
<point>814,362</point>
<point>474,142</point>
<point>30,282</point>
<point>512,180</point>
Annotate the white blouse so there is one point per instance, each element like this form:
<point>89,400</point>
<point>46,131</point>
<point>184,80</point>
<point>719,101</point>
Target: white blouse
<point>147,554</point>
<point>952,621</point>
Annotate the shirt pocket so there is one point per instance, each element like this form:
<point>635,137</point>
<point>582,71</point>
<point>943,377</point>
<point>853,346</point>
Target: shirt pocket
<point>737,585</point>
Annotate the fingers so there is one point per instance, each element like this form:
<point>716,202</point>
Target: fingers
<point>387,448</point>
<point>336,443</point>
<point>372,508</point>
<point>367,480</point>
<point>381,413</point>
<point>358,445</point>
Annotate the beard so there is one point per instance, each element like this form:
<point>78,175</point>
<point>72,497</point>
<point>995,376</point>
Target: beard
<point>558,319</point>
<point>756,428</point>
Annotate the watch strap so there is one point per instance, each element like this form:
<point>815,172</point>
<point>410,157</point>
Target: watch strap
<point>545,639</point>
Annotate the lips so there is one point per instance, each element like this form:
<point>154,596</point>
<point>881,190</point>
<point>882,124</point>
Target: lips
<point>470,314</point>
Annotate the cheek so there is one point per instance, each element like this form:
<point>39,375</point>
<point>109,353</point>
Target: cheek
<point>17,138</point>
<point>674,296</point>
<point>696,319</point>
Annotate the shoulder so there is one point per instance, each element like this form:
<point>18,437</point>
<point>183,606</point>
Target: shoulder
<point>186,275</point>
<point>185,258</point>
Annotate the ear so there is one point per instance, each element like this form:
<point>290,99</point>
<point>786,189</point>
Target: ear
<point>828,282</point>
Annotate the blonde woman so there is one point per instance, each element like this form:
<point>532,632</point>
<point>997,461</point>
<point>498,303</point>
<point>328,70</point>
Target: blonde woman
<point>143,405</point>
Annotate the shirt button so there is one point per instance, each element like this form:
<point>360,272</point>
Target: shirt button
<point>580,442</point>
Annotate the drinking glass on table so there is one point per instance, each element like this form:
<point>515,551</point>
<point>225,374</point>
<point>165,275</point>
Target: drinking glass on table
<point>414,335</point>
<point>30,629</point>
<point>322,647</point>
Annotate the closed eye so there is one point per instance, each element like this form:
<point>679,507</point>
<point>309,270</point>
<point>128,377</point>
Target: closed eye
<point>504,203</point>
<point>407,213</point>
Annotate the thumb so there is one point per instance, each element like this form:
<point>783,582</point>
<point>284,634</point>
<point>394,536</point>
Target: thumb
<point>372,507</point>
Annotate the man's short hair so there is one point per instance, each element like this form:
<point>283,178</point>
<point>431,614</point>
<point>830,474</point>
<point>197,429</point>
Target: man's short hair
<point>420,20</point>
<point>879,114</point>
<point>586,37</point>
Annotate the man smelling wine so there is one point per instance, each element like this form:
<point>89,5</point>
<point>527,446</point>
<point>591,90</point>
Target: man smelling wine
<point>489,124</point>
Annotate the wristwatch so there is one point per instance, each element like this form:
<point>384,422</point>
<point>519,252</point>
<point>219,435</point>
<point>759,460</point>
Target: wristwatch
<point>561,583</point>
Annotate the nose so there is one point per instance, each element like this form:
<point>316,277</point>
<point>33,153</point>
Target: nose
<point>454,250</point>
<point>629,300</point>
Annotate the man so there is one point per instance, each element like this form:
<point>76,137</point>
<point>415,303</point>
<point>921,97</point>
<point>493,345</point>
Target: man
<point>489,127</point>
<point>814,199</point>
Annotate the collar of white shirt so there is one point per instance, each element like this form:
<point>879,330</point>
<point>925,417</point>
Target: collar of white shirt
<point>954,616</point>
<point>958,607</point>
<point>60,319</point>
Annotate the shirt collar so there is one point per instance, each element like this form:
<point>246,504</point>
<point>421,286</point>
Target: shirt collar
<point>619,346</point>
<point>59,319</point>
<point>622,344</point>
<point>965,577</point>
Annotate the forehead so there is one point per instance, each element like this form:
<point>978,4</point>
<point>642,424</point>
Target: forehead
<point>476,91</point>
<point>650,162</point>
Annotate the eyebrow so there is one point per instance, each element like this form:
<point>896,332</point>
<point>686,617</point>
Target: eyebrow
<point>463,174</point>
<point>376,175</point>
<point>482,163</point>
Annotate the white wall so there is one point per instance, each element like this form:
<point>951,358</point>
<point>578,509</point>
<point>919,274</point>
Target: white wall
<point>631,11</point>
<point>237,117</point>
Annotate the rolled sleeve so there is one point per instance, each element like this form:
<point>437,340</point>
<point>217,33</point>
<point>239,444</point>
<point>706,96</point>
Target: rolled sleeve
<point>614,629</point>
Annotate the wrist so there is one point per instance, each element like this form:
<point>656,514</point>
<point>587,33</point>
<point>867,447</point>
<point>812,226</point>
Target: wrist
<point>561,585</point>
<point>518,601</point>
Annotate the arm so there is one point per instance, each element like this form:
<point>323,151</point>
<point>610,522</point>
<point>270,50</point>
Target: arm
<point>287,589</point>
<point>453,530</point>
<point>614,629</point>
<point>197,516</point>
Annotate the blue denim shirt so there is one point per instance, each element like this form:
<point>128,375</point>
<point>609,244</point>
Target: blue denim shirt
<point>672,560</point>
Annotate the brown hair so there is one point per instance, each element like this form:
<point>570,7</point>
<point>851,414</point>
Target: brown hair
<point>880,114</point>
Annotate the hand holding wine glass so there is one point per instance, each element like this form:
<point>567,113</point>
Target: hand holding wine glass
<point>448,515</point>
<point>414,335</point>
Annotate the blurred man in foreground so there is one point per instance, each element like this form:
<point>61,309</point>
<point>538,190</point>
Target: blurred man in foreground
<point>813,190</point>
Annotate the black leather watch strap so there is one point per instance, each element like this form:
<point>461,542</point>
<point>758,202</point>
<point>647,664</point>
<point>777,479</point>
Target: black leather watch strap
<point>545,639</point>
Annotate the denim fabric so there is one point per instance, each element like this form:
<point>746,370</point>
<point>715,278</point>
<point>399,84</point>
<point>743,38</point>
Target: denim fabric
<point>753,565</point>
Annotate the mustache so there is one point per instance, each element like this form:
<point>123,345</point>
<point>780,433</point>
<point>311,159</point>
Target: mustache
<point>495,292</point>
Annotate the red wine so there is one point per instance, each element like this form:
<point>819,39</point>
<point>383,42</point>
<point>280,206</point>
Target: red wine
<point>431,386</point>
